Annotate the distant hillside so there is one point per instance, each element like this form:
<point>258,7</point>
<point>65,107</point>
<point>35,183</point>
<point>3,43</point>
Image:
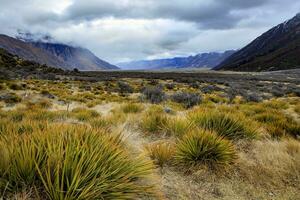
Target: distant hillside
<point>208,60</point>
<point>277,49</point>
<point>11,66</point>
<point>56,55</point>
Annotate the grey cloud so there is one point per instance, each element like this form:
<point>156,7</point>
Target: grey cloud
<point>206,13</point>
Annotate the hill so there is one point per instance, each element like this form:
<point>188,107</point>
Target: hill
<point>277,49</point>
<point>55,55</point>
<point>207,60</point>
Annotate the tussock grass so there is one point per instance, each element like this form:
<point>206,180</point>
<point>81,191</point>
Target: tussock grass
<point>297,109</point>
<point>71,162</point>
<point>272,163</point>
<point>275,104</point>
<point>204,147</point>
<point>178,126</point>
<point>225,125</point>
<point>132,108</point>
<point>153,120</point>
<point>161,152</point>
<point>83,114</point>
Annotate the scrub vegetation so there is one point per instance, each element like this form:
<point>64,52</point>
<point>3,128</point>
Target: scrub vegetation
<point>139,138</point>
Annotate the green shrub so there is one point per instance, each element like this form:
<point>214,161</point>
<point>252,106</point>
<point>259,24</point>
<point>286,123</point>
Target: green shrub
<point>15,86</point>
<point>204,147</point>
<point>225,125</point>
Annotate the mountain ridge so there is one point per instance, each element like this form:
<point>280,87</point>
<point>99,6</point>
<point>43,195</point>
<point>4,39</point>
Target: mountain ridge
<point>202,60</point>
<point>276,49</point>
<point>54,54</point>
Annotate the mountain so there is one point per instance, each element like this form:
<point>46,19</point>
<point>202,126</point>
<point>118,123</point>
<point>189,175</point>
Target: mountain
<point>55,55</point>
<point>277,49</point>
<point>208,60</point>
<point>76,57</point>
<point>11,66</point>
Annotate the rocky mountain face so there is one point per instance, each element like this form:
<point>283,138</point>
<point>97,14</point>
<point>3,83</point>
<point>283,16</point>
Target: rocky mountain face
<point>277,49</point>
<point>208,60</point>
<point>55,55</point>
<point>76,57</point>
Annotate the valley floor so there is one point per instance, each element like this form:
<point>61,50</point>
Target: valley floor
<point>143,138</point>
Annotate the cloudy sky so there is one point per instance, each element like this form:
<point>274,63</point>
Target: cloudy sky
<point>124,30</point>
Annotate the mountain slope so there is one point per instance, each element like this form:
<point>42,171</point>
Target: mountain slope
<point>76,57</point>
<point>56,55</point>
<point>208,60</point>
<point>277,49</point>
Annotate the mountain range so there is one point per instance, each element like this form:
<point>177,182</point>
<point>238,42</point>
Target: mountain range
<point>276,49</point>
<point>54,54</point>
<point>204,60</point>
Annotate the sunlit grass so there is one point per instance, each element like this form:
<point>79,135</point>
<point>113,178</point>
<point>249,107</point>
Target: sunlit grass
<point>204,147</point>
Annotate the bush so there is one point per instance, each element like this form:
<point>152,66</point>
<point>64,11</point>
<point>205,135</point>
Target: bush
<point>47,94</point>
<point>170,86</point>
<point>154,94</point>
<point>187,99</point>
<point>10,98</point>
<point>203,147</point>
<point>225,125</point>
<point>160,152</point>
<point>15,86</point>
<point>72,162</point>
<point>251,96</point>
<point>208,89</point>
<point>131,108</point>
<point>124,87</point>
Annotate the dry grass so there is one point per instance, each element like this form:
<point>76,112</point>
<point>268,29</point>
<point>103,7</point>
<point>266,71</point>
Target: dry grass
<point>161,152</point>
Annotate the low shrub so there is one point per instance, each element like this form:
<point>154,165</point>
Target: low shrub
<point>204,147</point>
<point>10,98</point>
<point>170,86</point>
<point>124,87</point>
<point>154,94</point>
<point>187,99</point>
<point>225,125</point>
<point>161,152</point>
<point>15,86</point>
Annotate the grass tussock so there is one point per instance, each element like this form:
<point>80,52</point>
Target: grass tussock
<point>83,114</point>
<point>204,147</point>
<point>161,152</point>
<point>68,162</point>
<point>272,163</point>
<point>154,120</point>
<point>225,125</point>
<point>132,108</point>
<point>178,126</point>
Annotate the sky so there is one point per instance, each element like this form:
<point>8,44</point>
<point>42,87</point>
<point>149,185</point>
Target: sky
<point>126,30</point>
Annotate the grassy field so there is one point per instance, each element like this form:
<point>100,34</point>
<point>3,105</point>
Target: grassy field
<point>151,136</point>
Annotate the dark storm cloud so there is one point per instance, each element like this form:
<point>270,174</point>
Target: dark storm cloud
<point>121,30</point>
<point>208,14</point>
